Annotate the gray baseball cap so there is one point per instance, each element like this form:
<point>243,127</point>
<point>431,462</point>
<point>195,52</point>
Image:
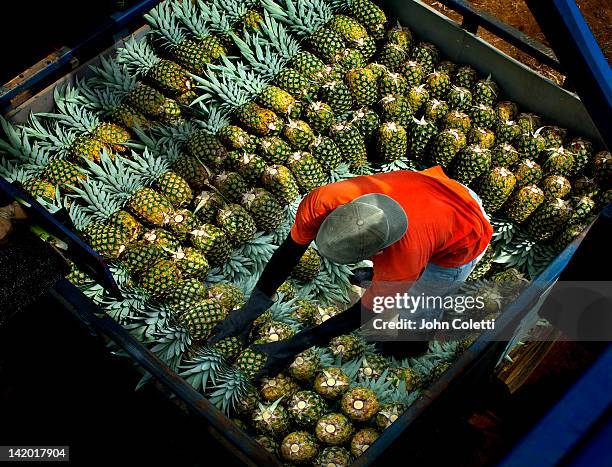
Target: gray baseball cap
<point>357,230</point>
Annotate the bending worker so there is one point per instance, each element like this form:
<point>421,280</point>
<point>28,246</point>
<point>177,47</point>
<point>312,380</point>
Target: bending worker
<point>419,228</point>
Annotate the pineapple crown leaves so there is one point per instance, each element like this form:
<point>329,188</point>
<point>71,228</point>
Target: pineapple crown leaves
<point>277,36</point>
<point>21,148</point>
<point>234,9</point>
<point>525,254</point>
<point>203,368</point>
<point>236,268</point>
<point>282,312</point>
<point>148,165</point>
<point>78,215</point>
<point>113,76</point>
<point>116,175</point>
<point>103,100</point>
<point>164,25</point>
<point>259,249</point>
<point>261,57</point>
<point>302,17</point>
<point>170,344</point>
<point>211,118</point>
<point>323,289</point>
<point>326,357</point>
<point>193,18</point>
<point>96,201</point>
<point>216,18</point>
<point>137,55</point>
<point>503,231</point>
<point>231,387</point>
<point>340,5</point>
<point>72,113</point>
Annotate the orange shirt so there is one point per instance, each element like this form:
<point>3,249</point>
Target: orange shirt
<point>445,224</point>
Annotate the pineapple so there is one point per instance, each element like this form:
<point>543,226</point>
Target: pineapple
<point>470,163</point>
<point>175,188</point>
<point>305,365</point>
<point>392,56</point>
<point>481,137</point>
<point>459,98</point>
<point>206,206</point>
<point>348,59</point>
<point>445,146</point>
<point>63,174</point>
<point>388,414</point>
<point>191,263</point>
<point>192,170</point>
<point>231,185</point>
<point>274,331</point>
<point>333,455</point>
<point>162,239</point>
<point>306,408</point>
<point>457,120</point>
<point>435,110</point>
<point>187,293</point>
<point>530,145</point>
<point>268,443</point>
<point>523,202</point>
<point>351,143</point>
<point>347,347</point>
<point>331,383</point>
<point>213,243</point>
<point>181,222</point>
<point>230,296</point>
<point>558,161</point>
<point>602,168</point>
<point>307,171</point>
<point>274,149</point>
<point>151,102</point>
<point>235,138</point>
<point>362,84</point>
<point>308,65</point>
<point>556,186</point>
<point>427,55</point>
<point>271,419</point>
<point>362,440</point>
<point>326,152</point>
<point>485,92</point>
<point>206,148</point>
<point>585,186</point>
<point>160,278</point>
<point>299,446</point>
<point>237,223</point>
<point>324,313</point>
<point>392,141</point>
<point>438,84</point>
<point>108,240</point>
<point>298,133</point>
<point>294,83</point>
<point>504,155</point>
<point>140,255</point>
<point>250,166</point>
<point>507,131</point>
<point>483,116</point>
<point>257,119</point>
<point>413,71</point>
<point>495,187</point>
<point>279,181</point>
<point>277,387</point>
<point>583,153</point>
<point>553,136</point>
<point>203,317</point>
<point>582,206</point>
<point>367,122</point>
<point>264,208</point>
<point>150,206</point>
<point>288,290</point>
<point>396,108</point>
<point>409,376</point>
<point>360,404</point>
<point>370,15</point>
<point>86,147</point>
<point>319,116</point>
<point>39,188</point>
<point>279,101</point>
<point>528,122</point>
<point>466,77</point>
<point>334,429</point>
<point>326,44</point>
<point>566,236</point>
<point>527,172</point>
<point>548,219</point>
<point>373,366</point>
<point>308,267</point>
<point>126,222</point>
<point>448,67</point>
<point>418,96</point>
<point>337,95</point>
<point>506,111</point>
<point>421,133</point>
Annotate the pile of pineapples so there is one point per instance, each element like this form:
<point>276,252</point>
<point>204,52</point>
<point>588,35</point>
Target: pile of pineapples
<point>182,159</point>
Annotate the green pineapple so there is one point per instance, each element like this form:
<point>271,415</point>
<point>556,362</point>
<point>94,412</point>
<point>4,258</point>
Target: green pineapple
<point>483,266</point>
<point>362,84</point>
<point>308,267</point>
<point>307,171</point>
<point>459,98</point>
<point>466,77</point>
<point>202,318</point>
<point>108,240</point>
<point>230,296</point>
<point>306,365</point>
<point>553,136</point>
<point>206,148</point>
<point>331,383</point>
<point>236,138</point>
<point>448,67</point>
<point>392,56</point>
<point>151,102</point>
<point>396,108</point>
<point>279,101</point>
<point>558,161</point>
<point>251,20</point>
<point>86,147</point>
<point>175,188</point>
<point>470,163</point>
<point>299,446</point>
<point>528,122</point>
<point>271,419</point>
<point>399,35</point>
<point>288,290</point>
<point>294,83</point>
<point>308,65</point>
<point>495,187</point>
<point>127,116</point>
<point>161,278</point>
<point>278,386</point>
<point>181,222</point>
<point>264,208</point>
<point>298,133</point>
<point>388,414</point>
<point>413,71</point>
<point>457,120</point>
<point>485,92</point>
<point>187,293</point>
<point>230,348</point>
<point>602,168</point>
<point>530,145</point>
<point>427,55</point>
<point>445,146</point>
<point>527,172</point>
<point>507,131</point>
<point>347,347</point>
<point>126,222</point>
<point>250,166</point>
<point>325,313</point>
<point>206,206</point>
<point>351,143</point>
<point>360,404</point>
<point>212,242</point>
<point>63,174</point>
<point>192,170</point>
<point>392,141</point>
<point>583,153</point>
<point>506,111</point>
<point>279,181</point>
<point>333,455</point>
<point>585,186</point>
<point>319,116</point>
<point>249,363</point>
<point>483,116</point>
<point>556,186</point>
<point>504,155</point>
<point>421,133</point>
<point>362,440</point>
<point>438,84</point>
<point>162,239</point>
<point>367,122</point>
<point>191,263</point>
<point>582,207</point>
<point>435,110</point>
<point>231,185</point>
<point>257,119</point>
<point>348,60</point>
<point>326,44</point>
<point>482,137</point>
<point>237,223</point>
<point>337,95</point>
<point>326,152</point>
<point>566,236</point>
<point>334,429</point>
<point>306,408</point>
<point>370,15</point>
<point>150,206</point>
<point>274,149</point>
<point>418,96</point>
<point>392,83</point>
<point>548,219</point>
<point>373,366</point>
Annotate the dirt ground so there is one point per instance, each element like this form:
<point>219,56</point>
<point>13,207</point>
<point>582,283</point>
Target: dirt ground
<point>598,14</point>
